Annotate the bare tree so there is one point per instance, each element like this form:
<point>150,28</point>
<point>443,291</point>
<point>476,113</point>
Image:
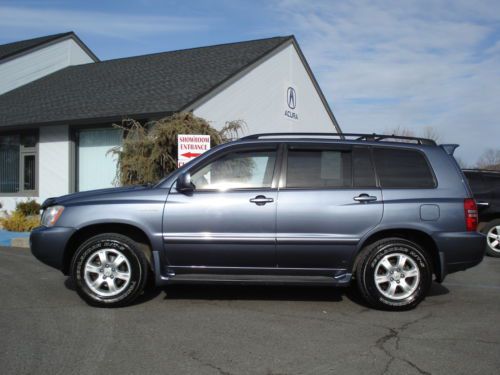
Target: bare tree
<point>461,163</point>
<point>403,132</point>
<point>429,132</point>
<point>490,159</point>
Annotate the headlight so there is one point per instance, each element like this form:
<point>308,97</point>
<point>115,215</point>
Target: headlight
<point>51,215</point>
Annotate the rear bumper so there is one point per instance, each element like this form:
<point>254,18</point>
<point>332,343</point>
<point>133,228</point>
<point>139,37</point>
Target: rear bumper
<point>48,245</point>
<point>459,251</point>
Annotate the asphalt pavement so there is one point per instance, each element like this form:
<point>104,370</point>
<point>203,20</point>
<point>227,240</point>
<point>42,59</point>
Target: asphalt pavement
<point>46,329</point>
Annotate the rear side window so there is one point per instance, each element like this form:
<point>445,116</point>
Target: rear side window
<point>398,168</point>
<point>318,168</point>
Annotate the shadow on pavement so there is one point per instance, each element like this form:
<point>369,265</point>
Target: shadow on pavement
<point>258,292</point>
<point>252,292</point>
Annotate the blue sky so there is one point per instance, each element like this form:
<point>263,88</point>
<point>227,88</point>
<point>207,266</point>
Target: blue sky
<point>382,65</point>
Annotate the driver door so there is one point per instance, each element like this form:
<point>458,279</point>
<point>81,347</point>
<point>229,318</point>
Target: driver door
<point>229,219</point>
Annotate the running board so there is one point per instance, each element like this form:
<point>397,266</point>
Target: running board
<point>165,275</point>
<point>339,280</point>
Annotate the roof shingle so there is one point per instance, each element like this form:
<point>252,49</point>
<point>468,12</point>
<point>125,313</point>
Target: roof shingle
<point>143,85</point>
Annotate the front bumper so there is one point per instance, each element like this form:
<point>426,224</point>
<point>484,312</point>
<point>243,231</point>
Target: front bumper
<point>48,245</point>
<point>459,251</point>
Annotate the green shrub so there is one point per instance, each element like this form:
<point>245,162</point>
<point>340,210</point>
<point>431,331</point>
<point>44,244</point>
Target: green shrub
<point>18,222</point>
<point>149,152</point>
<point>28,208</point>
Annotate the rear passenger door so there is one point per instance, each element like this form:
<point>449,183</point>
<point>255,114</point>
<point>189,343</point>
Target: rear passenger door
<point>328,200</point>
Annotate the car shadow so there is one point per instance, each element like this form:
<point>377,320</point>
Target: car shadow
<point>438,289</point>
<point>150,292</point>
<point>258,292</point>
<point>254,292</point>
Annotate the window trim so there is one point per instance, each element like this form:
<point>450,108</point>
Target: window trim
<point>276,147</point>
<point>22,152</point>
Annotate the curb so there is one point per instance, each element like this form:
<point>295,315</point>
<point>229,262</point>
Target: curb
<point>20,242</point>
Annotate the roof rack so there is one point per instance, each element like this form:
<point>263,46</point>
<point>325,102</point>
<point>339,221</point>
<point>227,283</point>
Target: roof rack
<point>353,136</point>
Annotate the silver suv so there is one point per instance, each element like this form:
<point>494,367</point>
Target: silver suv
<point>318,209</point>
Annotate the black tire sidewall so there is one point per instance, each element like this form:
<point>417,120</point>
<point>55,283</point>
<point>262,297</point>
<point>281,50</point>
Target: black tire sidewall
<point>412,251</point>
<point>485,230</point>
<point>86,250</point>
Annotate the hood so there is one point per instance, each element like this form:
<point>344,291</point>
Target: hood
<point>95,195</point>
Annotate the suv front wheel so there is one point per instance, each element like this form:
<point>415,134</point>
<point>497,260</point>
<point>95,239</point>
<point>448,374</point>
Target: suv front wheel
<point>109,270</point>
<point>393,274</point>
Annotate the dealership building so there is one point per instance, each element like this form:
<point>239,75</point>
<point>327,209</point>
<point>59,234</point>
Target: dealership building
<point>58,102</point>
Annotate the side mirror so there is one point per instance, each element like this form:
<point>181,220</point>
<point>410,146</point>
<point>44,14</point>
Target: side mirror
<point>184,184</point>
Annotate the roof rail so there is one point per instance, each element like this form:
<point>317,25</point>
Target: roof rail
<point>354,136</point>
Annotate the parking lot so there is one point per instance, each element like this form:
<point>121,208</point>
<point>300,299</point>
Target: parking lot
<point>46,329</point>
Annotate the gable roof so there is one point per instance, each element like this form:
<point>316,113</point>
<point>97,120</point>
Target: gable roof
<point>12,49</point>
<point>138,87</point>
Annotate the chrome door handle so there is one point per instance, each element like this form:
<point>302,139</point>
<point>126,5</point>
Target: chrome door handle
<point>261,200</point>
<point>364,198</point>
<point>483,204</point>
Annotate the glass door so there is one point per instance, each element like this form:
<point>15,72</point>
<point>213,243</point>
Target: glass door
<point>96,164</point>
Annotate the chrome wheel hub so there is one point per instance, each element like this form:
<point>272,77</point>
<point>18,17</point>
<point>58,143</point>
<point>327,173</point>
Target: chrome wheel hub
<point>493,238</point>
<point>107,272</point>
<point>397,276</point>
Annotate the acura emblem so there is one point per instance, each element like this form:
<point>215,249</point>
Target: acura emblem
<point>291,98</point>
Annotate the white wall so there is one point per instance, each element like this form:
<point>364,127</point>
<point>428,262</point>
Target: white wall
<point>259,98</point>
<point>39,63</point>
<point>53,166</point>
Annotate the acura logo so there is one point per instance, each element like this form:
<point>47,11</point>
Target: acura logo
<point>291,98</point>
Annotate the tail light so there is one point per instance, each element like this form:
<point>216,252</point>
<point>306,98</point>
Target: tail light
<point>471,218</point>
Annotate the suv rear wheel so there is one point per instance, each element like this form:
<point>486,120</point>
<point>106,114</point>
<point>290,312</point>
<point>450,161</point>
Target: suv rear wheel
<point>109,270</point>
<point>492,231</point>
<point>393,274</point>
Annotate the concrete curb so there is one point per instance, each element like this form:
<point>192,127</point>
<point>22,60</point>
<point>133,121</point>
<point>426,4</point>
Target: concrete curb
<point>20,242</point>
<point>14,238</point>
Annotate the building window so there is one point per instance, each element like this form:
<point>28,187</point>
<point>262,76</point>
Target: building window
<point>18,163</point>
<point>96,165</point>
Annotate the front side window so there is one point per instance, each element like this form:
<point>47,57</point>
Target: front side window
<point>318,168</point>
<point>237,170</point>
<point>18,165</point>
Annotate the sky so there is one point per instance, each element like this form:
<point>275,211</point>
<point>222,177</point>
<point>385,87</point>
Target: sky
<point>382,65</point>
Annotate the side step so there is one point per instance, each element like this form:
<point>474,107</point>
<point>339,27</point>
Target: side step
<point>198,278</point>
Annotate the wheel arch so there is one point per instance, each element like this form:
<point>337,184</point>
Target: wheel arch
<point>82,234</point>
<point>415,235</point>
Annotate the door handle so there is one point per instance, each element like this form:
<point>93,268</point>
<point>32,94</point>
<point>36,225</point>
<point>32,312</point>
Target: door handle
<point>261,200</point>
<point>365,198</point>
<point>483,204</point>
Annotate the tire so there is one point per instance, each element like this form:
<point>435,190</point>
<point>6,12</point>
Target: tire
<point>109,270</point>
<point>406,286</point>
<point>492,229</point>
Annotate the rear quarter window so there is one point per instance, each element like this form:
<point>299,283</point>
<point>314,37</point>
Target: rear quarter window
<point>400,168</point>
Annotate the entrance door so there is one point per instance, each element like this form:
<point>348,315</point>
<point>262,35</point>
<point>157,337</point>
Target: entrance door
<point>96,165</point>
